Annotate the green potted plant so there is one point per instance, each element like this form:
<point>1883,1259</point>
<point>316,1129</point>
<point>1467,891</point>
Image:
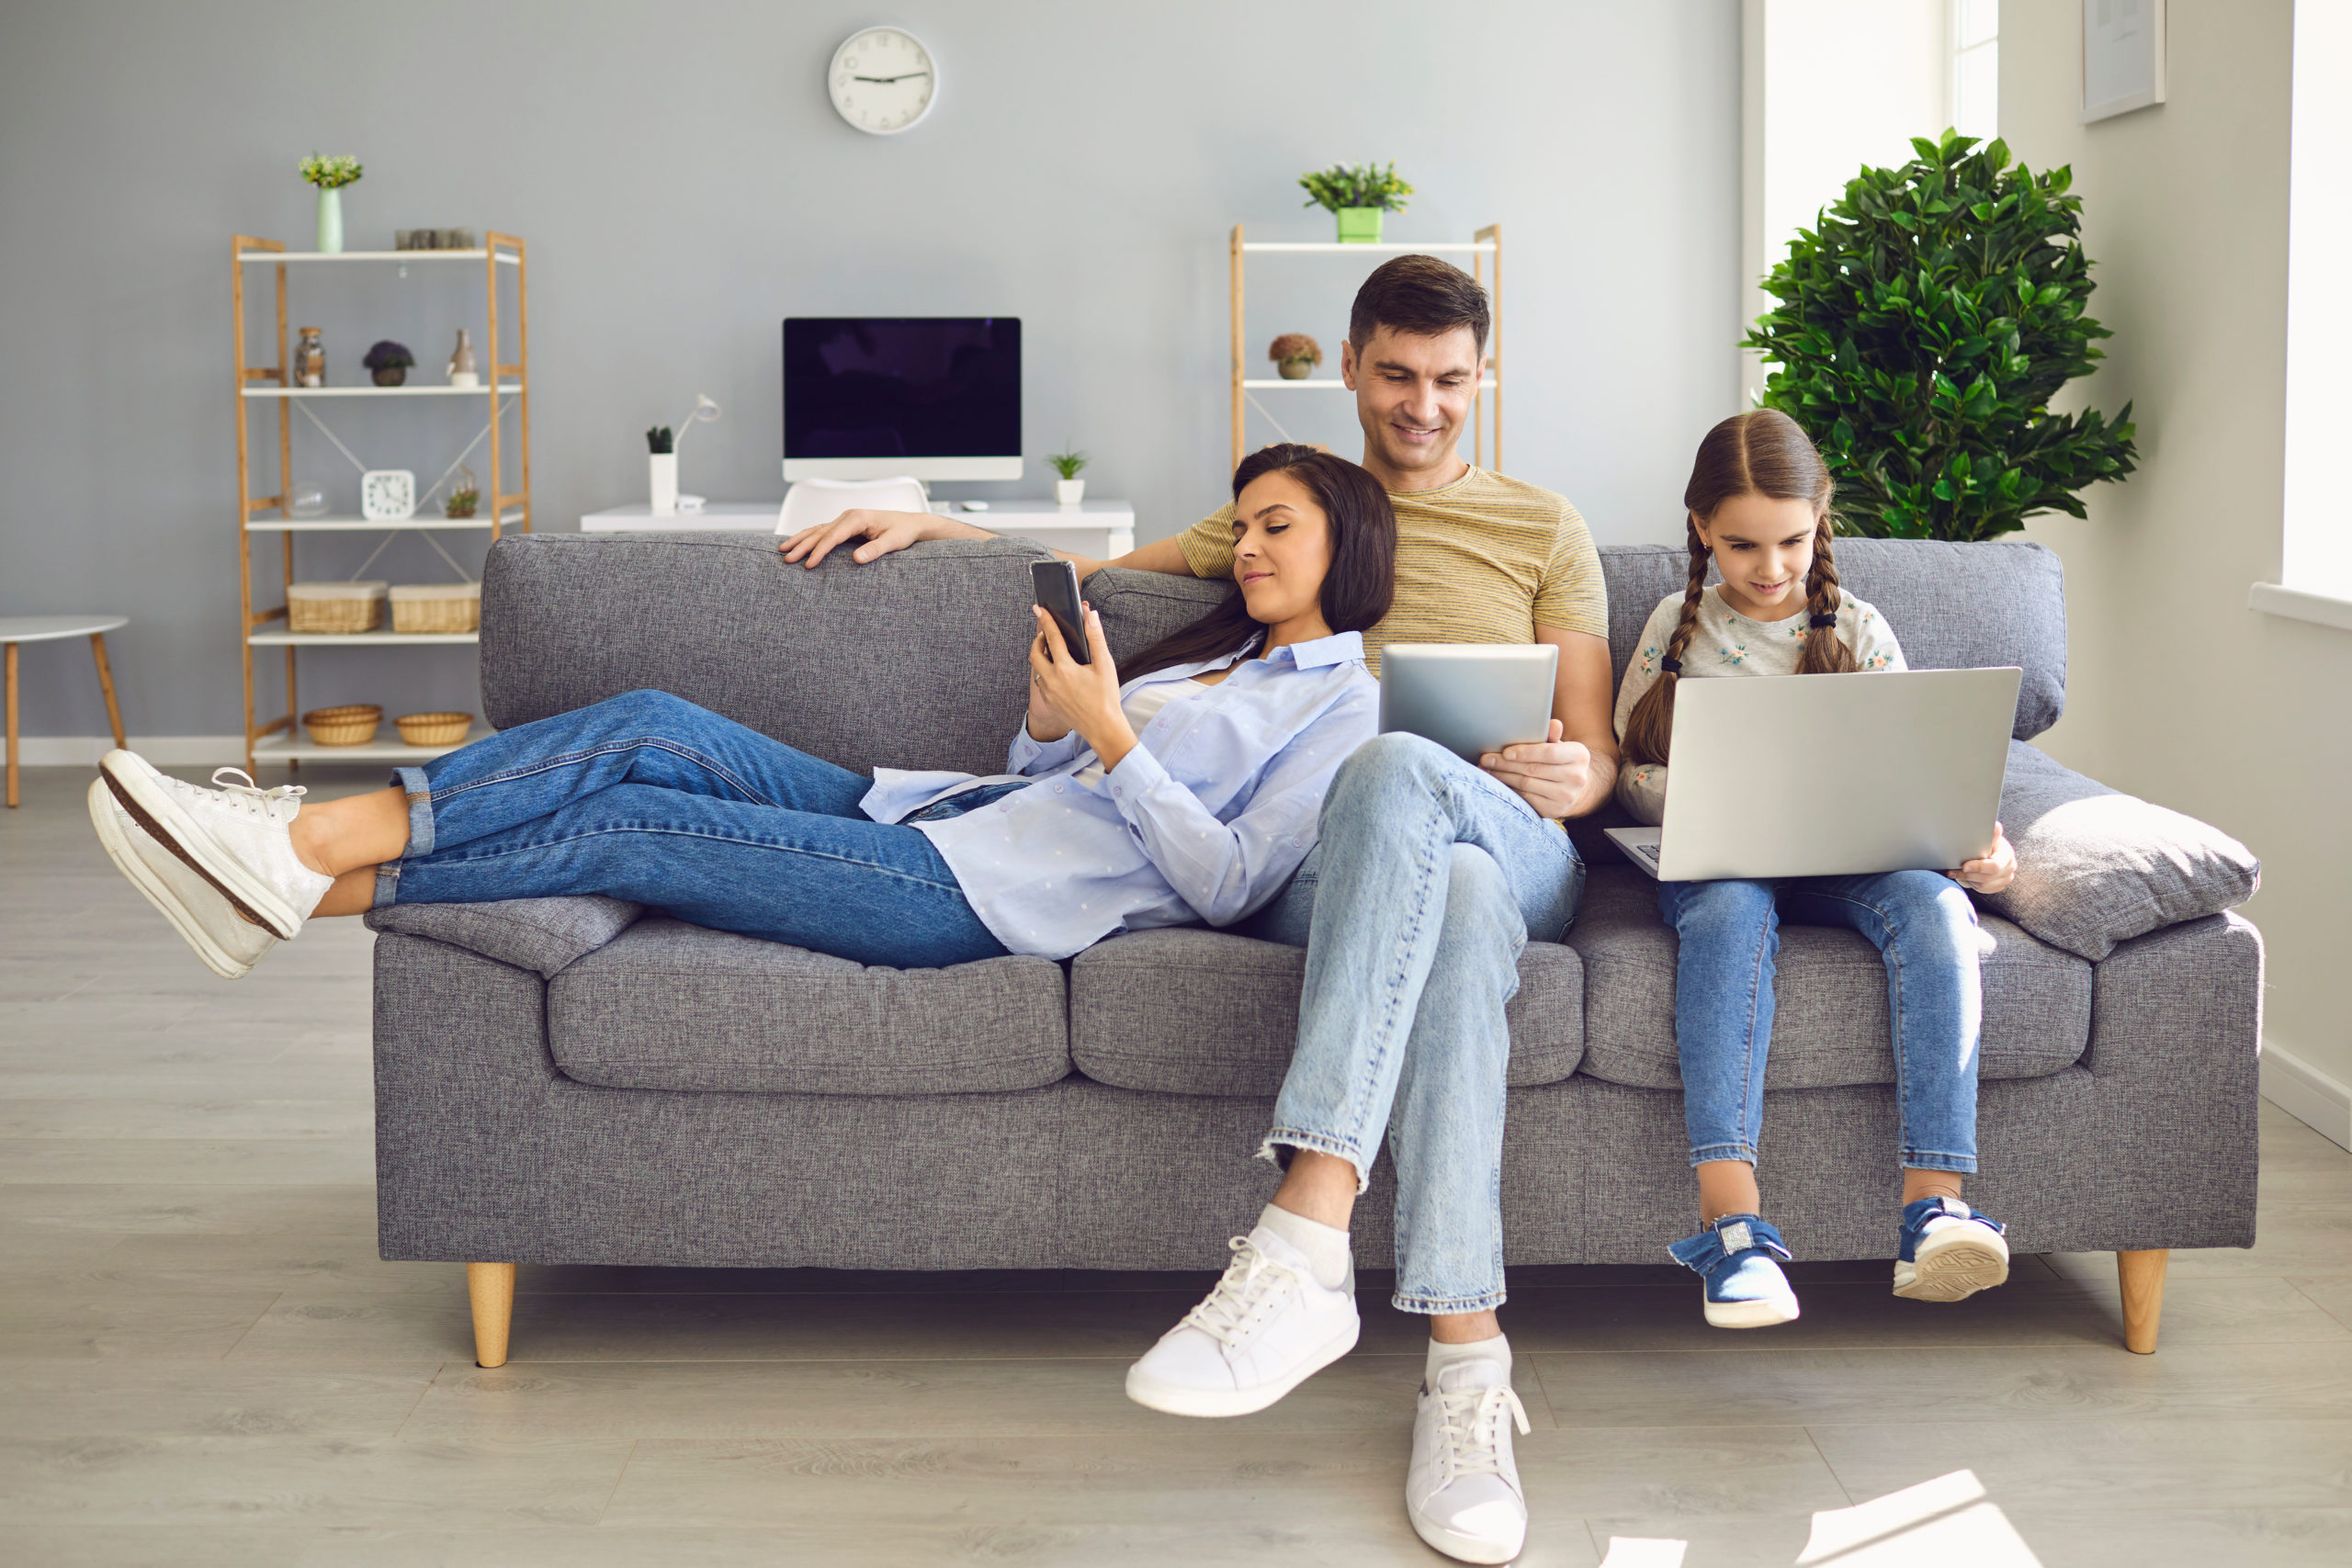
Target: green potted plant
<point>329,175</point>
<point>1295,356</point>
<point>1921,331</point>
<point>1069,489</point>
<point>389,362</point>
<point>1357,195</point>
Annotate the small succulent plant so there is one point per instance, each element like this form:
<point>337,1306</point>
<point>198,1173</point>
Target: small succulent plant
<point>1067,464</point>
<point>660,442</point>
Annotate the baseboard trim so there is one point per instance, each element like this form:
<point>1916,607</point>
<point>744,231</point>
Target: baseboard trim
<point>2307,1094</point>
<point>168,751</point>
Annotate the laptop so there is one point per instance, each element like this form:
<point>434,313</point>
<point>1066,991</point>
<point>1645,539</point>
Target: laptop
<point>1472,698</point>
<point>1830,775</point>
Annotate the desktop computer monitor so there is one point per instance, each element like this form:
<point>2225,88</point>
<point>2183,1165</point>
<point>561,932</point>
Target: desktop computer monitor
<point>874,397</point>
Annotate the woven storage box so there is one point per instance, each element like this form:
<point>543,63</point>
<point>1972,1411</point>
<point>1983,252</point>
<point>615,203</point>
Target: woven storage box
<point>335,607</point>
<point>434,728</point>
<point>437,607</point>
<point>354,725</point>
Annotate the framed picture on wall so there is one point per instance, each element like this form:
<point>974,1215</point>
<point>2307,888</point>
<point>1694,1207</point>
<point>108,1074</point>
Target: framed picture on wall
<point>2124,56</point>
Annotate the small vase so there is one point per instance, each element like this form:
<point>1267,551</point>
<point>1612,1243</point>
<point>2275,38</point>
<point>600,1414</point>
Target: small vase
<point>330,221</point>
<point>1297,369</point>
<point>1068,492</point>
<point>1360,225</point>
<point>661,478</point>
<point>390,375</point>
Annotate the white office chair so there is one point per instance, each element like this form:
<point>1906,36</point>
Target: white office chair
<point>811,501</point>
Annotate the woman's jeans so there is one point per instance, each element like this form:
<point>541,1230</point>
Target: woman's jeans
<point>1730,932</point>
<point>1432,876</point>
<point>647,798</point>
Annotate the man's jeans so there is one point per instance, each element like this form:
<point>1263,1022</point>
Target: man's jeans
<point>647,798</point>
<point>1730,932</point>
<point>1432,876</point>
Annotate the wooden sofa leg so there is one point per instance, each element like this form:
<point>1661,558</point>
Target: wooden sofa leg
<point>492,1288</point>
<point>2141,1275</point>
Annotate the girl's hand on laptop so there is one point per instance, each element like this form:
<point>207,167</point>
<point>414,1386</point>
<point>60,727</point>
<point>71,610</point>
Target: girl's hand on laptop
<point>1993,873</point>
<point>1084,697</point>
<point>1550,777</point>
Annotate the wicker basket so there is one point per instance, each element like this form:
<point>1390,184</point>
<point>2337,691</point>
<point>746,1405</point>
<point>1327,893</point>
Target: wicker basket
<point>434,728</point>
<point>334,607</point>
<point>436,607</point>
<point>351,726</point>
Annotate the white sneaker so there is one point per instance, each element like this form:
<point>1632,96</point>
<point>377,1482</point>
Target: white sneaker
<point>228,943</point>
<point>1948,1251</point>
<point>1266,1328</point>
<point>1462,1490</point>
<point>236,836</point>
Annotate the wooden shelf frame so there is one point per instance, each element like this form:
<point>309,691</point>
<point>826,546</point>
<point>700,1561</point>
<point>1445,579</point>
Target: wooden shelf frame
<point>1486,251</point>
<point>506,385</point>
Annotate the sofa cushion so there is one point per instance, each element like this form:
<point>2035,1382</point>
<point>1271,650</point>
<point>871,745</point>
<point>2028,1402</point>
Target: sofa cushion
<point>2096,867</point>
<point>544,935</point>
<point>668,1005</point>
<point>1192,1011</point>
<point>1831,1028</point>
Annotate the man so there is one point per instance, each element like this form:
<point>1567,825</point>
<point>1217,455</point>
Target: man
<point>1429,878</point>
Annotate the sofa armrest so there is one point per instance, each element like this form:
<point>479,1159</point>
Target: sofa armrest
<point>2096,867</point>
<point>542,934</point>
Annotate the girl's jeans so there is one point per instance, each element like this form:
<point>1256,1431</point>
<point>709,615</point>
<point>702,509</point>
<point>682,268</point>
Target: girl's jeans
<point>1432,876</point>
<point>1924,925</point>
<point>647,798</point>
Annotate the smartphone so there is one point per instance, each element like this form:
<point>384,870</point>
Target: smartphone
<point>1057,585</point>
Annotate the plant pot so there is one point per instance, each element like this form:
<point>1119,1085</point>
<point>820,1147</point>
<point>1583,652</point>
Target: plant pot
<point>330,221</point>
<point>390,375</point>
<point>1068,492</point>
<point>1360,225</point>
<point>661,478</point>
<point>1297,369</point>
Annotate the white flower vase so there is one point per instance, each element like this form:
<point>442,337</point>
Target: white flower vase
<point>330,221</point>
<point>1068,492</point>
<point>661,479</point>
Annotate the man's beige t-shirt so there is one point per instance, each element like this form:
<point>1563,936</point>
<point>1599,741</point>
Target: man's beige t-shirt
<point>1484,559</point>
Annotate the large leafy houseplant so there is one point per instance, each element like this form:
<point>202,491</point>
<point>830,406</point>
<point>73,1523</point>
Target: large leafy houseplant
<point>1921,331</point>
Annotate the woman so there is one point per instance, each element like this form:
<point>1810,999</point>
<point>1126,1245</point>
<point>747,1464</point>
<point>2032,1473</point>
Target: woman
<point>1189,792</point>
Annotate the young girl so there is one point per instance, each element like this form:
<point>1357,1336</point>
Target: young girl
<point>1189,792</point>
<point>1759,505</point>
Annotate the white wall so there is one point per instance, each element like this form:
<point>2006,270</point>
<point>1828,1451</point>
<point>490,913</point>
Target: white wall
<point>683,185</point>
<point>2177,690</point>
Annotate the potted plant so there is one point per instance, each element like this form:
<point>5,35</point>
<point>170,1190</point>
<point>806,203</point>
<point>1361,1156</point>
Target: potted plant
<point>329,175</point>
<point>1922,330</point>
<point>661,471</point>
<point>1295,356</point>
<point>389,362</point>
<point>1069,489</point>
<point>1357,195</point>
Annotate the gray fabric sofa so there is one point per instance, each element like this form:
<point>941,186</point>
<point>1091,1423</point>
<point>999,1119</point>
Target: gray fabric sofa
<point>586,1081</point>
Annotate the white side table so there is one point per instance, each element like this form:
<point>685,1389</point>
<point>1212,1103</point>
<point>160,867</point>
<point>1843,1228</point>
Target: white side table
<point>15,629</point>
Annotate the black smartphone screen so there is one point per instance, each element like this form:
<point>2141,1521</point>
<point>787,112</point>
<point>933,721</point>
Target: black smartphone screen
<point>1057,585</point>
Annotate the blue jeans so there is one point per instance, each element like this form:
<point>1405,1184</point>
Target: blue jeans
<point>1427,880</point>
<point>647,798</point>
<point>1730,932</point>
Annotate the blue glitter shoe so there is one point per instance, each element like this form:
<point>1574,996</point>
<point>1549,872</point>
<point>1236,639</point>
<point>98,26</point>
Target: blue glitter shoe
<point>1949,1251</point>
<point>1736,1256</point>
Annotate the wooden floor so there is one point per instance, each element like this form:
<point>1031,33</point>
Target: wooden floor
<point>202,1362</point>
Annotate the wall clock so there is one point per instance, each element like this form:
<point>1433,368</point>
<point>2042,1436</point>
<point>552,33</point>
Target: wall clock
<point>883,81</point>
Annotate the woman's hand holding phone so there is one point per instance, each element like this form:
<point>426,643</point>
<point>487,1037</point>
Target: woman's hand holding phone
<point>1065,695</point>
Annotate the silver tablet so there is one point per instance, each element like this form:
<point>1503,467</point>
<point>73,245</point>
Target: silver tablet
<point>1470,697</point>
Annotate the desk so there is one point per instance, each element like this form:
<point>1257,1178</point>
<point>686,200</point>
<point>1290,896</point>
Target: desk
<point>1099,529</point>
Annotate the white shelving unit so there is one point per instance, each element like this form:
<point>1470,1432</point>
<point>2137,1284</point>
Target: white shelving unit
<point>1485,250</point>
<point>505,388</point>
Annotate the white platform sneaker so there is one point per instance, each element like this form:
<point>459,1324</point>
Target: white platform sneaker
<point>236,835</point>
<point>1266,1328</point>
<point>228,943</point>
<point>1462,1490</point>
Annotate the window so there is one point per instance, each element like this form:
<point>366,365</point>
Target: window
<point>1976,67</point>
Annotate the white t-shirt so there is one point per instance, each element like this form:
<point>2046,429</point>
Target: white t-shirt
<point>1725,642</point>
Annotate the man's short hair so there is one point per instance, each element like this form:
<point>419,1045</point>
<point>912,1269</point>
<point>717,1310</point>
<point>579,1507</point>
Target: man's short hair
<point>1419,295</point>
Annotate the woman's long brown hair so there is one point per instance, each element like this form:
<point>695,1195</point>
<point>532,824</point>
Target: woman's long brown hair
<point>1763,453</point>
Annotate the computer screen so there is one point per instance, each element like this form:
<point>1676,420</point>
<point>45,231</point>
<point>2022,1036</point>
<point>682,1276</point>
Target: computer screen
<point>873,397</point>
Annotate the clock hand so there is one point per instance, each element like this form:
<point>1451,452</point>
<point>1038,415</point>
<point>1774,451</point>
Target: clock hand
<point>901,77</point>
